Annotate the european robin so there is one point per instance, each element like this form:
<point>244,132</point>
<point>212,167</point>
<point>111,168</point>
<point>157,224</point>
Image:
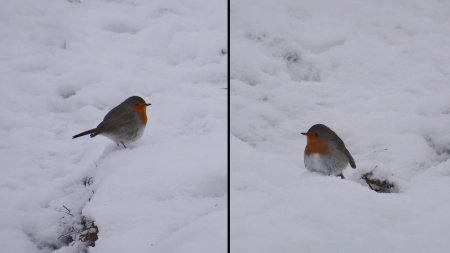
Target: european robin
<point>325,152</point>
<point>124,123</point>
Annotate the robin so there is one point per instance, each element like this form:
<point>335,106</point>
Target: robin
<point>325,152</point>
<point>124,123</point>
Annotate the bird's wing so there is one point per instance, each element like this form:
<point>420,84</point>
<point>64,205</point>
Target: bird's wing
<point>341,145</point>
<point>115,120</point>
<point>114,112</point>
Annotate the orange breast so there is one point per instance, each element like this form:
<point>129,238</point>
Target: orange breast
<point>316,146</point>
<point>142,112</point>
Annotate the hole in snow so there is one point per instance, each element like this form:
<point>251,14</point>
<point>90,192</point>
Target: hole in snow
<point>292,57</point>
<point>299,68</point>
<point>121,27</point>
<point>67,93</point>
<point>257,37</point>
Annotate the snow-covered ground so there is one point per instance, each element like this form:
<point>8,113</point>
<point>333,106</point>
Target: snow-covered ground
<point>376,72</point>
<point>63,66</point>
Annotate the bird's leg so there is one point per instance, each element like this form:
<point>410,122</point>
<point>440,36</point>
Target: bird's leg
<point>123,144</point>
<point>341,175</point>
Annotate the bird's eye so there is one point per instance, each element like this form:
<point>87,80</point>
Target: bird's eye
<point>136,104</point>
<point>316,134</point>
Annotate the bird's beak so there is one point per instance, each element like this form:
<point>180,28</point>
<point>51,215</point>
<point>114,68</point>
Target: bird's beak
<point>304,133</point>
<point>148,104</point>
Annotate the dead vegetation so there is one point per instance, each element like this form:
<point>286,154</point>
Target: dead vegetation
<point>77,228</point>
<point>84,230</point>
<point>378,185</point>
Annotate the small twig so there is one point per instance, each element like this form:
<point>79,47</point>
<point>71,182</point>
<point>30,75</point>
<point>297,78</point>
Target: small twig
<point>68,212</point>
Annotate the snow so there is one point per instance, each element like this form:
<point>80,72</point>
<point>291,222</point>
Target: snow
<point>378,74</point>
<point>64,65</point>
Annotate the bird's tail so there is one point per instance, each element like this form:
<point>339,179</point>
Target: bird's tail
<point>93,132</point>
<point>352,162</point>
<point>350,159</point>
